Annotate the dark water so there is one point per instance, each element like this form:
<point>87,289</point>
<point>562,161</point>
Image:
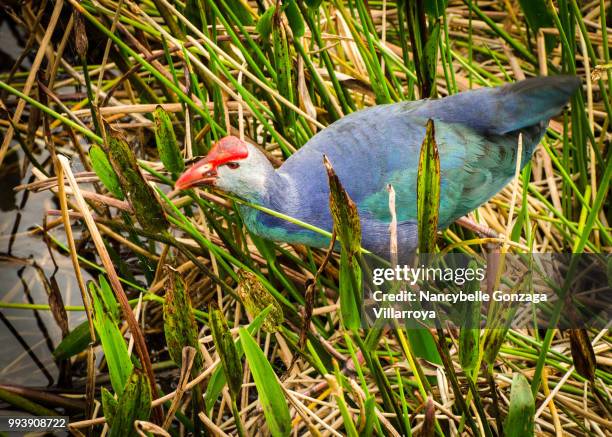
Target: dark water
<point>27,337</point>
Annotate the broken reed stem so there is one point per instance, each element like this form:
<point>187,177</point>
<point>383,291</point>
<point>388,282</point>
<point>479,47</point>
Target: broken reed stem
<point>189,354</point>
<point>73,250</point>
<point>392,226</point>
<point>141,347</point>
<point>91,370</point>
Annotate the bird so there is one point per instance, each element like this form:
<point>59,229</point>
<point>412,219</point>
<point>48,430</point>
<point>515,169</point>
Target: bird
<point>477,134</point>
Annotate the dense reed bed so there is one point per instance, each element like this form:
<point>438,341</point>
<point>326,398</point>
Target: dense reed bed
<point>188,323</point>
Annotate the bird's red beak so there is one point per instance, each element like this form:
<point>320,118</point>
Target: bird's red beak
<point>201,173</point>
<point>204,172</point>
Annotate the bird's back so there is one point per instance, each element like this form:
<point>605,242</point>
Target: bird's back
<point>476,133</point>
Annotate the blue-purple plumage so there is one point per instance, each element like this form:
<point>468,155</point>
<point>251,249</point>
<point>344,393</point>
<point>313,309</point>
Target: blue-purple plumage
<point>477,135</point>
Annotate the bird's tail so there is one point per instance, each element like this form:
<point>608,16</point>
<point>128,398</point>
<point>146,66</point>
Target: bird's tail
<point>507,108</point>
<point>531,101</point>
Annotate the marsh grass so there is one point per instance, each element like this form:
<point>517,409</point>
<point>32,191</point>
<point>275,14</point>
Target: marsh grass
<point>275,73</point>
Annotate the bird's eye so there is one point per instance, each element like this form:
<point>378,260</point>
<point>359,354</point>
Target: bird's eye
<point>233,165</point>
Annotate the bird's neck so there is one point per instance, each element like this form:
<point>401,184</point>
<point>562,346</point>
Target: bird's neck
<point>279,195</point>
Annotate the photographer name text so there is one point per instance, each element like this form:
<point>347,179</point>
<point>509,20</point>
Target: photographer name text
<point>423,296</point>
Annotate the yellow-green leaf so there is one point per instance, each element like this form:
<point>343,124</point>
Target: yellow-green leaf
<point>264,23</point>
<point>104,171</point>
<point>349,289</point>
<point>167,146</point>
<point>114,346</point>
<point>271,395</point>
<point>344,212</point>
<point>294,16</point>
<point>521,413</point>
<point>283,65</point>
<point>348,228</point>
<point>493,340</point>
<point>147,209</point>
<point>180,327</point>
<point>224,343</point>
<point>108,297</point>
<point>242,11</point>
<point>217,380</point>
<point>133,404</point>
<point>109,405</point>
<point>75,342</point>
<point>256,298</point>
<point>79,338</point>
<point>428,191</point>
